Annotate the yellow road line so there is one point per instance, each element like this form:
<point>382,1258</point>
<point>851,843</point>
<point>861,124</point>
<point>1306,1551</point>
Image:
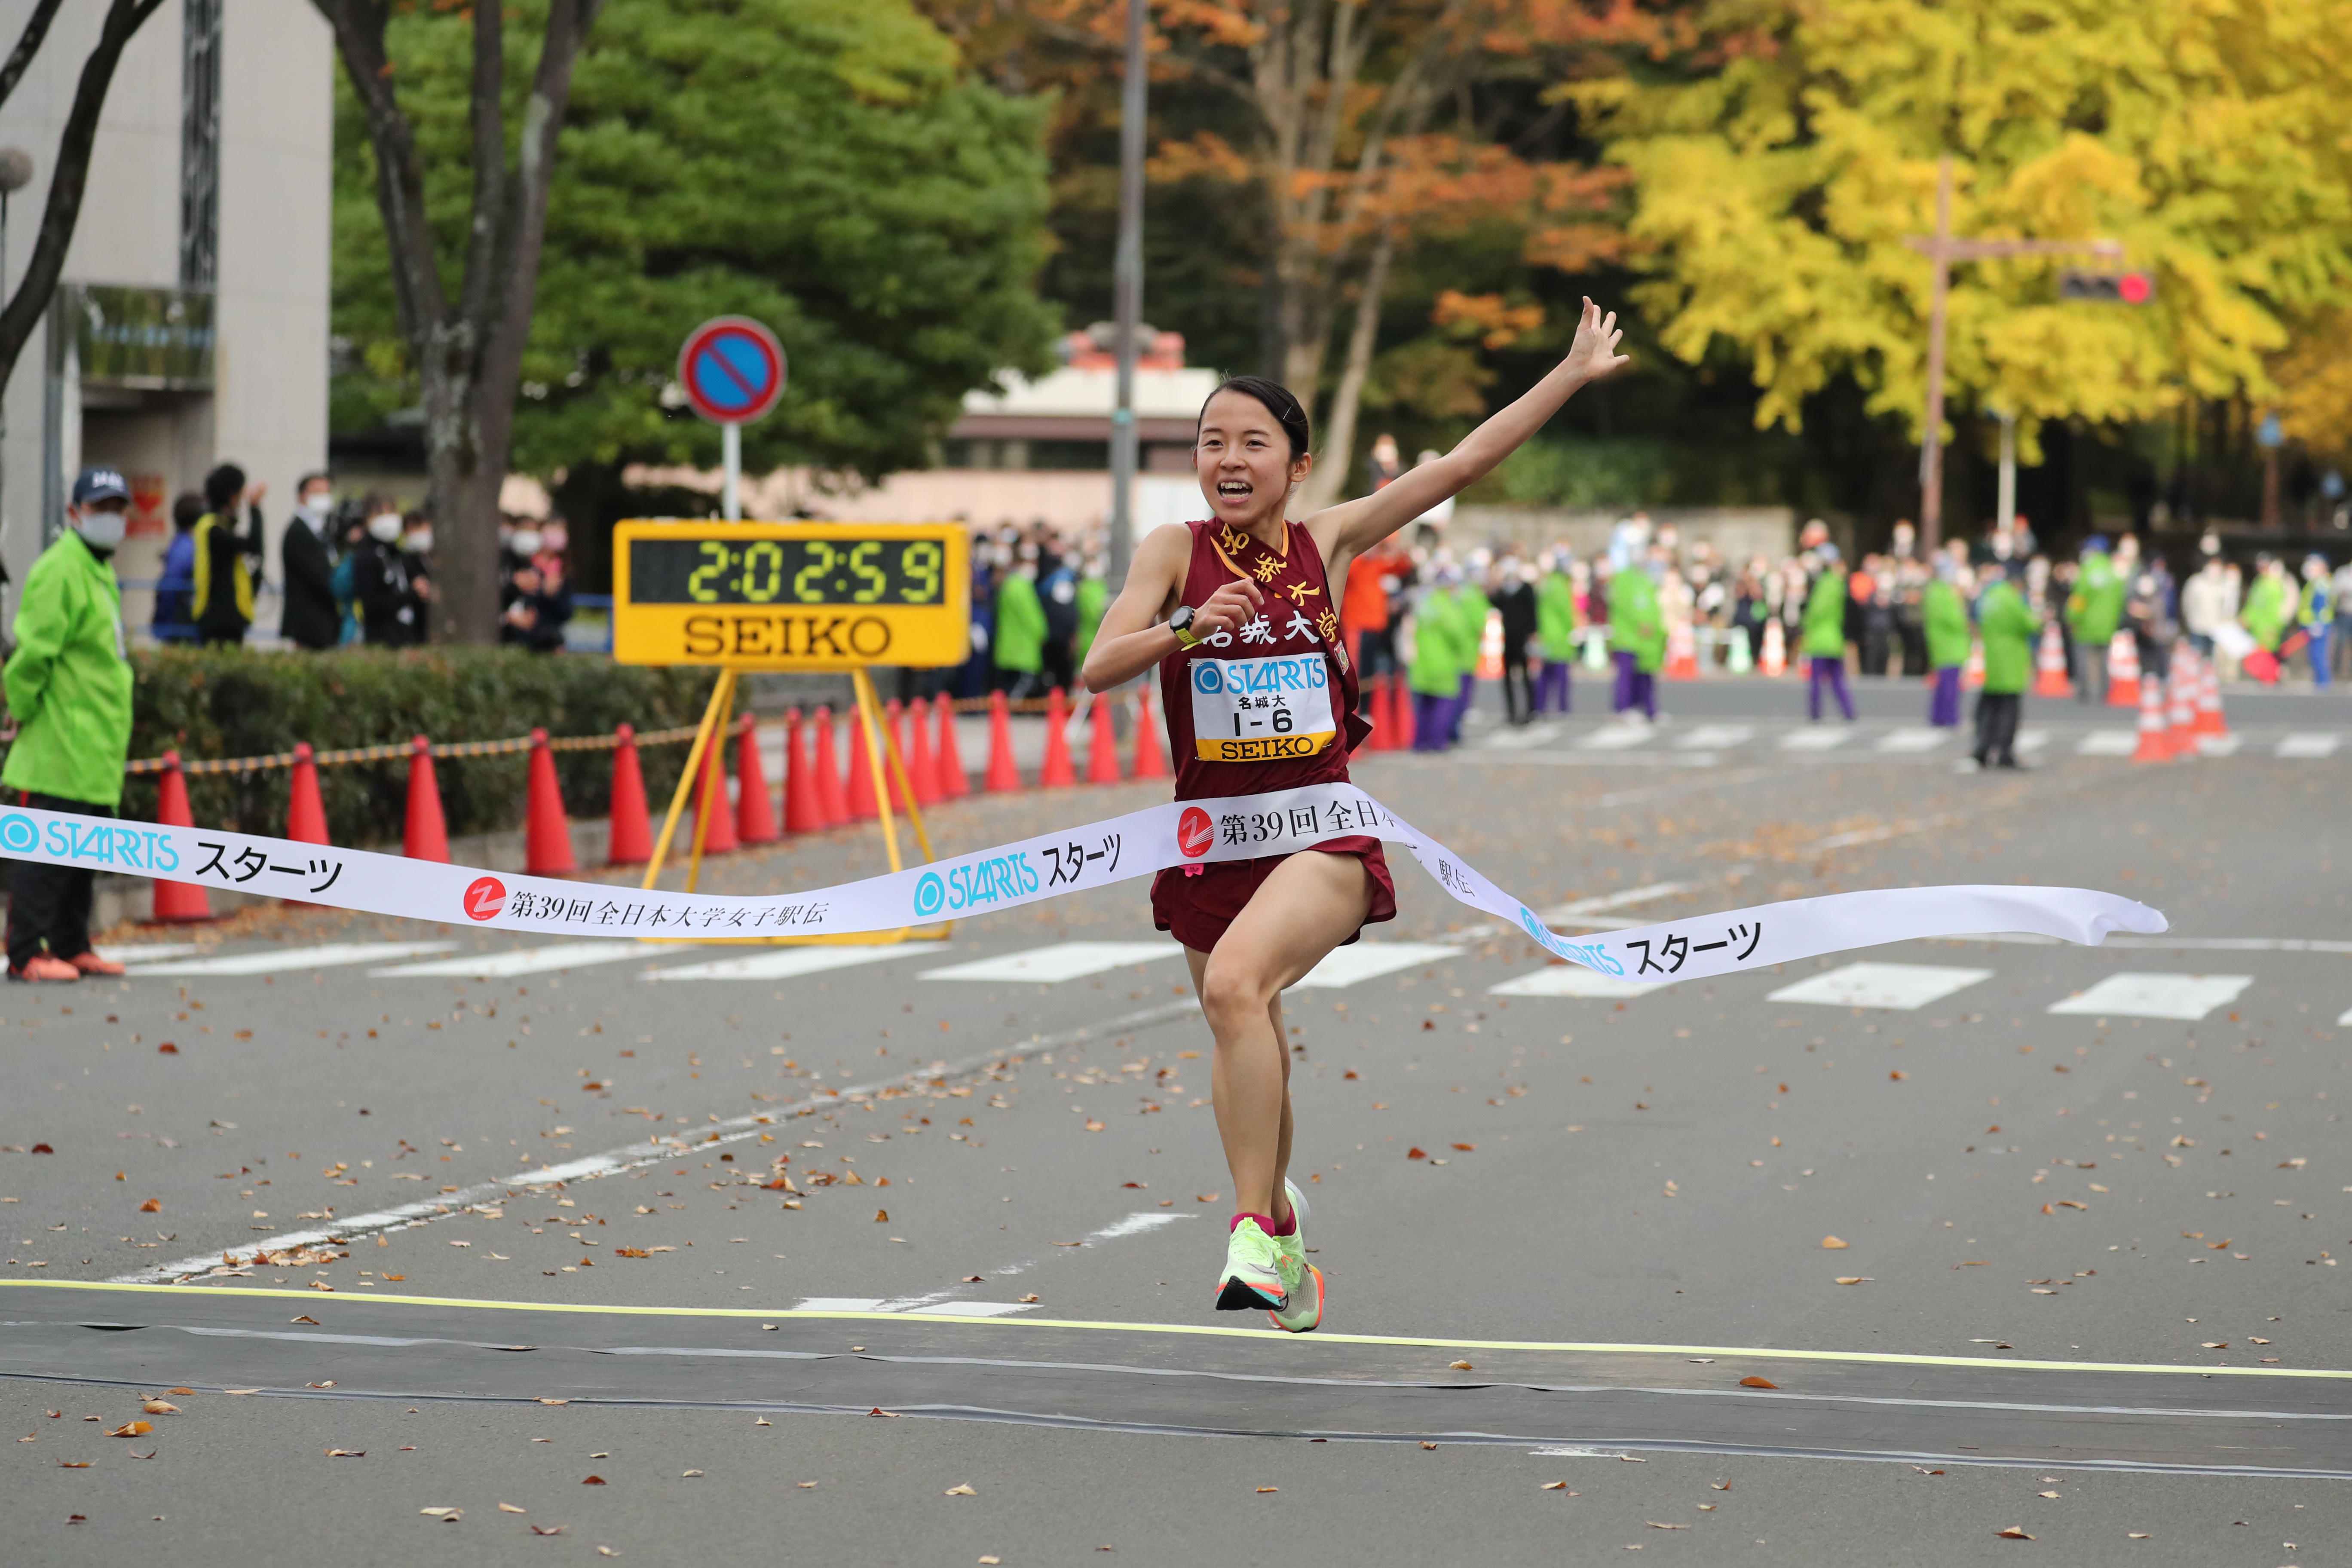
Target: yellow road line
<point>1869,1358</point>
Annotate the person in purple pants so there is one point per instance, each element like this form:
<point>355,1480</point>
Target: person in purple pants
<point>1824,635</point>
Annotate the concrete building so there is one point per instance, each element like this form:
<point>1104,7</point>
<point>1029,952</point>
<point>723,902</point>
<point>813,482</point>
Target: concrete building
<point>191,325</point>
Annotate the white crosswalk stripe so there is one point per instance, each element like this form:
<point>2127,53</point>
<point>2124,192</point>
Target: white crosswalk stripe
<point>2308,744</point>
<point>1716,737</point>
<point>1568,980</point>
<point>784,963</point>
<point>529,960</point>
<point>1346,966</point>
<point>1617,738</point>
<point>1522,739</point>
<point>2032,740</point>
<point>1902,986</point>
<point>2188,996</point>
<point>1063,960</point>
<point>286,960</point>
<point>2107,743</point>
<point>1816,739</point>
<point>150,952</point>
<point>1913,738</point>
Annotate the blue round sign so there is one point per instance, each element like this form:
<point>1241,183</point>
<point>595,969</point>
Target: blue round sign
<point>732,370</point>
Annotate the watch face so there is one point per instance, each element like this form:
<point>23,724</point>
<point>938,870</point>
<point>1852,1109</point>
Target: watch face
<point>1182,619</point>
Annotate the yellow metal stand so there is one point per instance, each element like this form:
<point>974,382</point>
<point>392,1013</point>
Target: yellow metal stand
<point>886,767</point>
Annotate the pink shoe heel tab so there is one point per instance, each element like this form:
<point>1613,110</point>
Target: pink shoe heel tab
<point>1264,1222</point>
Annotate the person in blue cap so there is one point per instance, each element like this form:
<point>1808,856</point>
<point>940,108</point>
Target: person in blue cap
<point>68,686</point>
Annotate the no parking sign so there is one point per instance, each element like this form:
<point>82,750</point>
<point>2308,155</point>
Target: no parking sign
<point>732,369</point>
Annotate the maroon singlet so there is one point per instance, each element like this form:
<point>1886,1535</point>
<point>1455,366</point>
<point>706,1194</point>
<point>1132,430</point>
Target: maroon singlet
<point>1197,903</point>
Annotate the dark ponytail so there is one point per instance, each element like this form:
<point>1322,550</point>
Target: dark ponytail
<point>1278,402</point>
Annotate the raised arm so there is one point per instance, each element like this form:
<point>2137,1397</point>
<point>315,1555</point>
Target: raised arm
<point>1346,530</point>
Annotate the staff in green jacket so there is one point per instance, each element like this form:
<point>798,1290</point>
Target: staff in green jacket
<point>68,686</point>
<point>1094,598</point>
<point>1438,661</point>
<point>1946,621</point>
<point>1020,638</point>
<point>1822,636</point>
<point>1637,639</point>
<point>2093,610</point>
<point>2008,629</point>
<point>1471,608</point>
<point>2268,597</point>
<point>1555,635</point>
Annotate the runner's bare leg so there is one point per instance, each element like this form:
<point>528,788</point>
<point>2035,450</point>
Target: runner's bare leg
<point>1309,904</point>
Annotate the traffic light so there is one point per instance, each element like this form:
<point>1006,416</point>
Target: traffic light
<point>2106,287</point>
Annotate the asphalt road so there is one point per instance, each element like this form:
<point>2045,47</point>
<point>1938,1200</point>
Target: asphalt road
<point>2088,1279</point>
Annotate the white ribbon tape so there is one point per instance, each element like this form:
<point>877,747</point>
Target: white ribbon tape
<point>1178,833</point>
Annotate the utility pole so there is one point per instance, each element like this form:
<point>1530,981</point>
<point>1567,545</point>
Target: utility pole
<point>1942,250</point>
<point>1127,293</point>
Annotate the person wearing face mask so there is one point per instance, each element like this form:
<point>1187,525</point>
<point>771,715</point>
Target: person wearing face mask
<point>417,552</point>
<point>310,618</point>
<point>379,580</point>
<point>226,558</point>
<point>68,686</point>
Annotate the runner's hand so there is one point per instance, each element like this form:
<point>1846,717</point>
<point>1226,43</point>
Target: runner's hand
<point>1228,608</point>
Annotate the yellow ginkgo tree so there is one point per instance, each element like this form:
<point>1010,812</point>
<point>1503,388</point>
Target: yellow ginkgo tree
<point>1777,177</point>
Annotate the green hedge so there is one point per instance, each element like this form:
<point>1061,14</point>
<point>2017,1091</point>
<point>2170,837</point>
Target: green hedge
<point>239,702</point>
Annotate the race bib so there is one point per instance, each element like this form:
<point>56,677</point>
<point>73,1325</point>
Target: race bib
<point>1260,709</point>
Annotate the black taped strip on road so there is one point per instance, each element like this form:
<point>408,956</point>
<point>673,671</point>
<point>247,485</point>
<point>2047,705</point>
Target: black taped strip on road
<point>1142,1382</point>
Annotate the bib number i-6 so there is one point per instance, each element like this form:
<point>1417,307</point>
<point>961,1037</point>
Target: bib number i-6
<point>1259,710</point>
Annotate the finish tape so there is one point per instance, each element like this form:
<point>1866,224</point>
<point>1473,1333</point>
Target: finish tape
<point>1179,833</point>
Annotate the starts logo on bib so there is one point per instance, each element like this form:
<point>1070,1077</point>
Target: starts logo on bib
<point>485,898</point>
<point>1194,833</point>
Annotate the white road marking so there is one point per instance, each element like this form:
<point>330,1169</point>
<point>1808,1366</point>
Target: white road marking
<point>1346,966</point>
<point>1602,903</point>
<point>2220,745</point>
<point>783,964</point>
<point>1062,960</point>
<point>2343,1017</point>
<point>2032,740</point>
<point>527,960</point>
<point>1914,738</point>
<point>1136,1223</point>
<point>1816,739</point>
<point>716,1134</point>
<point>839,1304</point>
<point>2308,744</point>
<point>1903,986</point>
<point>1879,834</point>
<point>154,952</point>
<point>1617,738</point>
<point>1710,737</point>
<point>1569,980</point>
<point>2108,743</point>
<point>285,960</point>
<point>969,1308</point>
<point>2189,996</point>
<point>1523,738</point>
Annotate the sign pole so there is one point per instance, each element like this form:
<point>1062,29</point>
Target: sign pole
<point>722,698</point>
<point>730,496</point>
<point>1127,295</point>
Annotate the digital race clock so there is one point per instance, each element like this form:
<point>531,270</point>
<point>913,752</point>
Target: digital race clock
<point>791,596</point>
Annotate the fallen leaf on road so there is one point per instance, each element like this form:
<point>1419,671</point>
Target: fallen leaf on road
<point>595,1481</point>
<point>962,1489</point>
<point>878,1410</point>
<point>1467,1148</point>
<point>2012,1533</point>
<point>1262,1490</point>
<point>510,1507</point>
<point>1653,1524</point>
<point>346,1453</point>
<point>1093,1126</point>
<point>1416,1153</point>
<point>1030,1298</point>
<point>448,1514</point>
<point>133,1429</point>
<point>1855,1279</point>
<point>881,1217</point>
<point>1429,1444</point>
<point>1757,1383</point>
<point>76,1464</point>
<point>1833,1244</point>
<point>161,1407</point>
<point>2045,1494</point>
<point>630,1252</point>
<point>548,1529</point>
<point>153,1205</point>
<point>1726,1486</point>
<point>1558,1487</point>
<point>1462,1366</point>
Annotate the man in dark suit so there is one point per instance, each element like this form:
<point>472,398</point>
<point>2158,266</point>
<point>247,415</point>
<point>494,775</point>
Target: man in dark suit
<point>310,618</point>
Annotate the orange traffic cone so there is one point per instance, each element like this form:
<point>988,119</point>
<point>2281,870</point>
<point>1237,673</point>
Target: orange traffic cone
<point>1972,672</point>
<point>2154,747</point>
<point>755,816</point>
<point>948,757</point>
<point>712,798</point>
<point>1402,692</point>
<point>630,841</point>
<point>2123,671</point>
<point>546,831</point>
<point>824,770</point>
<point>1775,662</point>
<point>1490,648</point>
<point>1003,774</point>
<point>1058,772</point>
<point>1102,745</point>
<point>802,814</point>
<point>2182,710</point>
<point>427,835</point>
<point>1682,654</point>
<point>1151,757</point>
<point>177,903</point>
<point>2049,666</point>
<point>922,767</point>
<point>306,812</point>
<point>2210,718</point>
<point>863,805</point>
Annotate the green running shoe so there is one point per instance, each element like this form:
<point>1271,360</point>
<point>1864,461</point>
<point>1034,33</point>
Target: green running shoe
<point>1253,1276</point>
<point>1302,1282</point>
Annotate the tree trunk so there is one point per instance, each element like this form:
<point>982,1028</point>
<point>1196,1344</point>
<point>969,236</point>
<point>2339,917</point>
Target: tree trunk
<point>71,172</point>
<point>1329,479</point>
<point>468,352</point>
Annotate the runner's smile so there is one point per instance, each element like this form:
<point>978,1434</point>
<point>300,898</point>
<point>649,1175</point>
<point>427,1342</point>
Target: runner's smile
<point>1243,458</point>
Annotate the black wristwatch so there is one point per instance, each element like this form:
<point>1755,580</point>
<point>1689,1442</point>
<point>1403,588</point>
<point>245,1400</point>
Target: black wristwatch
<point>1181,623</point>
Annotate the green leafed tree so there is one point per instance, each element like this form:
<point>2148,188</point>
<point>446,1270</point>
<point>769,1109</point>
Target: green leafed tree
<point>825,166</point>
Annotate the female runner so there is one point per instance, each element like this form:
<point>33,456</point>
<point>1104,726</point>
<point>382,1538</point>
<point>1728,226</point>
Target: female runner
<point>1249,585</point>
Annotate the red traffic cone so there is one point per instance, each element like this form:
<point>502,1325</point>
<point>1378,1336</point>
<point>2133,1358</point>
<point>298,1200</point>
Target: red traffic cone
<point>1058,772</point>
<point>2123,671</point>
<point>755,816</point>
<point>2154,747</point>
<point>179,903</point>
<point>947,757</point>
<point>720,839</point>
<point>547,832</point>
<point>631,840</point>
<point>802,814</point>
<point>427,835</point>
<point>863,805</point>
<point>922,762</point>
<point>1102,746</point>
<point>2210,718</point>
<point>1401,701</point>
<point>1003,774</point>
<point>1384,714</point>
<point>2049,666</point>
<point>1151,759</point>
<point>824,770</point>
<point>2180,702</point>
<point>306,812</point>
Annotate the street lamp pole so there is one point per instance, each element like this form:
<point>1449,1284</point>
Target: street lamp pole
<point>1127,293</point>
